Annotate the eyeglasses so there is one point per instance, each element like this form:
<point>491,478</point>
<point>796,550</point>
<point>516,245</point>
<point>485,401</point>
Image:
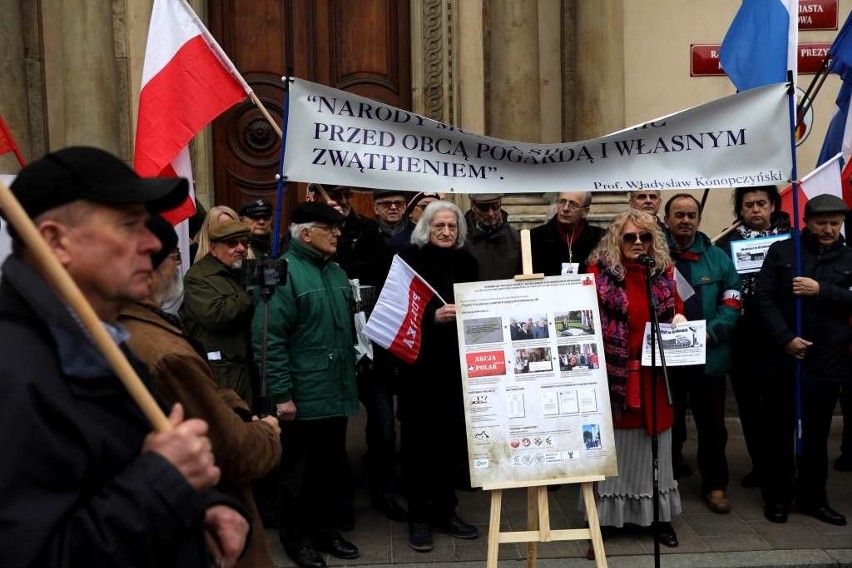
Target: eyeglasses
<point>422,205</point>
<point>328,229</point>
<point>398,203</point>
<point>486,207</point>
<point>572,205</point>
<point>631,238</point>
<point>234,242</point>
<point>175,255</point>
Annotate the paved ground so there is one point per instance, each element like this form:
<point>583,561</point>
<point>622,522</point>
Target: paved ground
<point>741,538</point>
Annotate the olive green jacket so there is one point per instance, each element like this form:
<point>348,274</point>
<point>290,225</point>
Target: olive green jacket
<point>217,311</point>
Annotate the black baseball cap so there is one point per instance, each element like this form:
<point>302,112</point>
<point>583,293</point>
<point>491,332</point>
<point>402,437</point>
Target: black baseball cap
<point>312,211</point>
<point>91,174</point>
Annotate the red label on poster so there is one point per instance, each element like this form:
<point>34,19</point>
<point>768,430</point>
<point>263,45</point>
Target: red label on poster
<point>705,58</point>
<point>817,14</point>
<point>485,364</point>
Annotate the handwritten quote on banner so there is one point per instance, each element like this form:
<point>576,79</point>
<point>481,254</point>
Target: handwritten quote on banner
<point>335,137</point>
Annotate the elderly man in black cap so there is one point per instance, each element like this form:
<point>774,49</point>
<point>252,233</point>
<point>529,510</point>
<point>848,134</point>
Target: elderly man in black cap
<point>85,483</point>
<point>311,381</point>
<point>390,207</point>
<point>490,238</point>
<point>217,310</point>
<point>257,215</point>
<point>822,348</point>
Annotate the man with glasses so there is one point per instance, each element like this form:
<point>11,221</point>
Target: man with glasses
<point>390,207</point>
<point>311,381</point>
<point>217,310</point>
<point>413,212</point>
<point>494,243</point>
<point>713,295</point>
<point>562,245</point>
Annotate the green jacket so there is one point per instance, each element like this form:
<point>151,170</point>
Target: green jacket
<point>310,355</point>
<point>711,274</point>
<point>217,311</point>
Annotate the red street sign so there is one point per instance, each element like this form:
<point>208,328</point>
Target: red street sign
<point>817,14</point>
<point>704,60</point>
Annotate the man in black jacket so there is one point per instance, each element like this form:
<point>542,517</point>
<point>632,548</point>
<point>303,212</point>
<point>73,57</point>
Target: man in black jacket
<point>563,244</point>
<point>822,348</point>
<point>85,482</point>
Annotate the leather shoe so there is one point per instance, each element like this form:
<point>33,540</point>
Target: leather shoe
<point>751,480</point>
<point>337,546</point>
<point>456,527</point>
<point>717,502</point>
<point>391,509</point>
<point>775,512</point>
<point>825,514</point>
<point>420,536</point>
<point>305,556</point>
<point>668,536</point>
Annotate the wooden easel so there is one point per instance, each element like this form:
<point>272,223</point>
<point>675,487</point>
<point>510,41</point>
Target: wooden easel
<point>538,508</point>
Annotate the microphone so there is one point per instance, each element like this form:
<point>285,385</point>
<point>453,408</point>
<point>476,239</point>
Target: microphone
<point>646,260</point>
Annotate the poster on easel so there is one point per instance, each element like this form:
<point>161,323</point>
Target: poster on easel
<point>534,378</point>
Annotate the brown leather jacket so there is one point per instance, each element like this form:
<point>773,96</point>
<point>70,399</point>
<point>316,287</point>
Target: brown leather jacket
<point>244,451</point>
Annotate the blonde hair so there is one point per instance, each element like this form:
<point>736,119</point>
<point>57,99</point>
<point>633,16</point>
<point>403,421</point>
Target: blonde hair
<point>608,250</point>
<point>210,221</point>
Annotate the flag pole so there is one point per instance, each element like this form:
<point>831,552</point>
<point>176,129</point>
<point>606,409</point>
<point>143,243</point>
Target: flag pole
<point>259,104</point>
<point>807,99</point>
<point>68,290</point>
<point>797,252</point>
<point>279,197</point>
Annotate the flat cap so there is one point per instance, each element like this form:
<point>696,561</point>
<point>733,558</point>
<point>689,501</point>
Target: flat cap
<point>825,203</point>
<point>385,192</point>
<point>313,211</point>
<point>227,229</point>
<point>257,208</point>
<point>485,197</point>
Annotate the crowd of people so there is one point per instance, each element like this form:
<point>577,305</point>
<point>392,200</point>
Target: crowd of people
<point>260,384</point>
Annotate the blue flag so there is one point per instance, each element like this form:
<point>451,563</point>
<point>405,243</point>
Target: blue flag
<point>760,46</point>
<point>841,50</point>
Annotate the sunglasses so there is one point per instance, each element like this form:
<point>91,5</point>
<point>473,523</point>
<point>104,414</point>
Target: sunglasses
<point>644,237</point>
<point>234,242</point>
<point>486,207</point>
<point>400,204</point>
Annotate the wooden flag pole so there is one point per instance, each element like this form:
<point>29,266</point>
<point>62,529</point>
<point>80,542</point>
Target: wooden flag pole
<point>61,281</point>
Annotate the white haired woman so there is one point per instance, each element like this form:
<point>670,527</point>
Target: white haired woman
<point>434,443</point>
<point>621,286</point>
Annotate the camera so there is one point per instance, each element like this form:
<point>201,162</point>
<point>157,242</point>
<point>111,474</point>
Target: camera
<point>264,273</point>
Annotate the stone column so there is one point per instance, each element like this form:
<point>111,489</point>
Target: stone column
<point>13,88</point>
<point>81,79</point>
<point>513,85</point>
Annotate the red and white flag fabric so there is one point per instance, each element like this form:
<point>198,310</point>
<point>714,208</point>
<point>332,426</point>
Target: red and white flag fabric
<point>824,179</point>
<point>7,143</point>
<point>396,321</point>
<point>187,81</point>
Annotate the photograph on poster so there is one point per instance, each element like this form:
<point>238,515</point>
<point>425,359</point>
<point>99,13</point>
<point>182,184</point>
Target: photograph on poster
<point>483,330</point>
<point>592,436</point>
<point>533,360</point>
<point>579,322</point>
<point>529,327</point>
<point>579,356</point>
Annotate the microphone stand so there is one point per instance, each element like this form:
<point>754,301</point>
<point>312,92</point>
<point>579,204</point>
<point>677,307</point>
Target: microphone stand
<point>656,338</point>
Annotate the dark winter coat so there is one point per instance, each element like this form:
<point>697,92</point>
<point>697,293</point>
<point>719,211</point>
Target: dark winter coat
<point>550,250</point>
<point>497,252</point>
<point>362,251</point>
<point>825,317</point>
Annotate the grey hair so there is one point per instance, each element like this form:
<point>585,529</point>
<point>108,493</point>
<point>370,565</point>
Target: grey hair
<point>420,235</point>
<point>296,228</point>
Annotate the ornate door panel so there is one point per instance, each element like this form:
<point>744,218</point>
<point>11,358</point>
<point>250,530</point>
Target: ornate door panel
<point>361,46</point>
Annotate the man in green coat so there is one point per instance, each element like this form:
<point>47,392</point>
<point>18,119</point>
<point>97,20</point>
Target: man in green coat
<point>714,296</point>
<point>217,310</point>
<point>310,377</point>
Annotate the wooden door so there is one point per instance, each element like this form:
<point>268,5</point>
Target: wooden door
<point>361,46</point>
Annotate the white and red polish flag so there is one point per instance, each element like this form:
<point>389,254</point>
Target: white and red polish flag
<point>825,178</point>
<point>187,81</point>
<point>396,321</point>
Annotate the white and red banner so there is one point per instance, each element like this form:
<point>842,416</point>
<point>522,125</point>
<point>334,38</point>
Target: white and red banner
<point>396,321</point>
<point>187,81</point>
<point>825,178</point>
<point>338,138</point>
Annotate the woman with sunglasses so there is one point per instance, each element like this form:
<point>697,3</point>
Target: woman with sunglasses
<point>620,280</point>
